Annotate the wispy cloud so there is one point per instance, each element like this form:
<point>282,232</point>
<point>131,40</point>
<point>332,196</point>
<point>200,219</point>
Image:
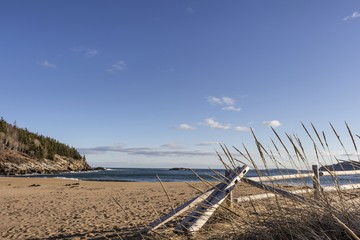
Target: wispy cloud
<point>352,16</point>
<point>227,102</point>
<point>89,52</point>
<point>185,126</point>
<point>242,129</point>
<point>144,151</point>
<point>352,154</point>
<point>221,100</point>
<point>118,66</point>
<point>206,144</point>
<point>232,108</point>
<point>47,64</point>
<point>171,146</point>
<point>189,10</point>
<point>272,123</point>
<point>212,123</point>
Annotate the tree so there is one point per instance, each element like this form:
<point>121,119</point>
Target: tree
<point>3,126</point>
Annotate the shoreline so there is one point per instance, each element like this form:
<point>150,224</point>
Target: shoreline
<point>65,178</point>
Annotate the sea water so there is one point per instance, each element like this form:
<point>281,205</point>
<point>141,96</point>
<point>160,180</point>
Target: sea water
<point>166,175</point>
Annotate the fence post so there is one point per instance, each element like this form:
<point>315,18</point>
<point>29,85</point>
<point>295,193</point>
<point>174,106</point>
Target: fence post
<point>316,181</point>
<point>229,199</point>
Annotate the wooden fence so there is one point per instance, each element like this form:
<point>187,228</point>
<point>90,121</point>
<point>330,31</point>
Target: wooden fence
<point>206,203</point>
<point>315,175</point>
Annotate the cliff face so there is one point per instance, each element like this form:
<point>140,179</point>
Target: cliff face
<point>24,152</point>
<point>12,162</point>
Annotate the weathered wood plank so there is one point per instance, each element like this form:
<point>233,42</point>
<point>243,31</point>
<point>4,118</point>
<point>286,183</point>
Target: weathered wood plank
<point>179,210</point>
<point>280,177</point>
<point>316,181</point>
<point>340,173</point>
<point>302,175</point>
<point>205,209</point>
<point>274,190</point>
<point>229,198</point>
<point>300,191</point>
<point>269,195</point>
<point>342,187</point>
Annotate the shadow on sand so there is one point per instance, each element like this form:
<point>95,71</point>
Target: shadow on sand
<point>115,234</point>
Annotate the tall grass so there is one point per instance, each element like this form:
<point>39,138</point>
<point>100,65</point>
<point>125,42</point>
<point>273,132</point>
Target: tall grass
<point>328,215</point>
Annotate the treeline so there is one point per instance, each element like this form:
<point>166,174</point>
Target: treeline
<point>33,144</point>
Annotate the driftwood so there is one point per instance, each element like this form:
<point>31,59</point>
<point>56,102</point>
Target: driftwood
<point>300,191</point>
<point>275,190</point>
<point>340,173</point>
<point>316,181</point>
<point>303,175</point>
<point>205,209</point>
<point>229,199</point>
<point>179,210</point>
<point>280,177</point>
<point>209,201</point>
<point>269,195</point>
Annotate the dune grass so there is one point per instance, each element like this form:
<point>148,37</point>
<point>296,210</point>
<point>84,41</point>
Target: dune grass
<point>326,215</point>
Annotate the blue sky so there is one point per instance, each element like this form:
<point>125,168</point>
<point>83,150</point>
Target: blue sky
<point>157,83</point>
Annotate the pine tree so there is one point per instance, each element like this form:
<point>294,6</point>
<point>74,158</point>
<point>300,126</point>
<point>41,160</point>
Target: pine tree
<point>3,126</point>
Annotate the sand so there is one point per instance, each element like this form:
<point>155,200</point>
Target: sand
<point>35,208</point>
<point>38,208</point>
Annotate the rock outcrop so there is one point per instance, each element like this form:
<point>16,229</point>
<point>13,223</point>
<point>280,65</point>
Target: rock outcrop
<point>13,162</point>
<point>25,152</point>
<point>179,169</point>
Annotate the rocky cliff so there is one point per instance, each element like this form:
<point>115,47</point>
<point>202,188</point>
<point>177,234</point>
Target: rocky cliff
<point>12,162</point>
<point>24,152</point>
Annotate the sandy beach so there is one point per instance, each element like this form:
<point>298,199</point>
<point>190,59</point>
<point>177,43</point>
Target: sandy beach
<point>35,208</point>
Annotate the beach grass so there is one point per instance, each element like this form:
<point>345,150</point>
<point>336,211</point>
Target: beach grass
<point>324,215</point>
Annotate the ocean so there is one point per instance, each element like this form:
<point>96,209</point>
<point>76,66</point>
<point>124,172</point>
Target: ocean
<point>166,175</point>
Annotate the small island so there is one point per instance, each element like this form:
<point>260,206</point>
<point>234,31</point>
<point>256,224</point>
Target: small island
<point>180,169</point>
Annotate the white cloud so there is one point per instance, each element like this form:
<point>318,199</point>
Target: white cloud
<point>214,124</point>
<point>227,102</point>
<point>352,16</point>
<point>272,123</point>
<point>214,100</point>
<point>118,66</point>
<point>221,101</point>
<point>242,129</point>
<point>232,108</point>
<point>91,52</point>
<point>185,126</point>
<point>47,64</point>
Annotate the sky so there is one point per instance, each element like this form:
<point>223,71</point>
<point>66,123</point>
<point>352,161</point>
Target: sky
<point>162,83</point>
